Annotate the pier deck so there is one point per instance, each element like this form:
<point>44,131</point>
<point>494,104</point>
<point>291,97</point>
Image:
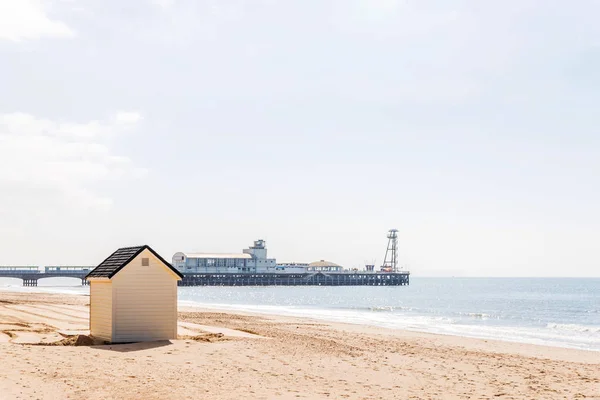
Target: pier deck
<point>30,278</point>
<point>359,278</point>
<point>306,279</point>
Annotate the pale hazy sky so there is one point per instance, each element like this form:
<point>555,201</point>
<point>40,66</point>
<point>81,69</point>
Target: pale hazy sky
<point>200,125</point>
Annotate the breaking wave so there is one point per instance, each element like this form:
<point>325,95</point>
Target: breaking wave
<point>390,308</point>
<point>478,315</point>
<point>574,328</point>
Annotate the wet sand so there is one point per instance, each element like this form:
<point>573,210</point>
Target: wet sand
<point>227,355</point>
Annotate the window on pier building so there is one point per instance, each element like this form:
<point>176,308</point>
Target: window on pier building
<point>192,262</point>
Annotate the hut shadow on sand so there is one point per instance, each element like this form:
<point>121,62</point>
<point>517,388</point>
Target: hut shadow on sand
<point>89,341</point>
<point>131,347</point>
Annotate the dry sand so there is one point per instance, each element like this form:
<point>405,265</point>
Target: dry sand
<point>240,356</point>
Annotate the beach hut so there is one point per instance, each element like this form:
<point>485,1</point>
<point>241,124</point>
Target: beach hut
<point>133,297</point>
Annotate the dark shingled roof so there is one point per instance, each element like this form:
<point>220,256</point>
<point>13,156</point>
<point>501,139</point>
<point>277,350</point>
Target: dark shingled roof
<point>120,258</point>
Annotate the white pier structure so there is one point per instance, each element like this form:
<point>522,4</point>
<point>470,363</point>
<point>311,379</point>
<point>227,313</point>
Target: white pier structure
<point>251,260</point>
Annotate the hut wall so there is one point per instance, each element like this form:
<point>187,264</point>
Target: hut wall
<point>145,301</point>
<point>101,310</point>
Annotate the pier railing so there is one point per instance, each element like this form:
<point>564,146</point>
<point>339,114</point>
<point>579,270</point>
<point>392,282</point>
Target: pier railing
<point>345,278</point>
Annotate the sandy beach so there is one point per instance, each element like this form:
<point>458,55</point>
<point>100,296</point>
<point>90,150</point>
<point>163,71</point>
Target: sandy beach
<point>223,355</point>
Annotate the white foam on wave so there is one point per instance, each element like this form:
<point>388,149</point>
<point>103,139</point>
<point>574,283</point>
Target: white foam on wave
<point>540,336</point>
<point>384,308</point>
<point>574,327</point>
<point>478,315</point>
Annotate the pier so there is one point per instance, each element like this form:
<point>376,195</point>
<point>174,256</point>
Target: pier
<point>30,275</point>
<point>354,278</point>
<point>252,267</point>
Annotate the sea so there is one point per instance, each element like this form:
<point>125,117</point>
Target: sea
<point>561,312</point>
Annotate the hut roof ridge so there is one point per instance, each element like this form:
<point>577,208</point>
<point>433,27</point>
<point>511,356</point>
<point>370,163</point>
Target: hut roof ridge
<point>120,258</point>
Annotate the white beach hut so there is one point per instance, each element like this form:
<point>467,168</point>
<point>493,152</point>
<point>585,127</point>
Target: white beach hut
<point>133,297</point>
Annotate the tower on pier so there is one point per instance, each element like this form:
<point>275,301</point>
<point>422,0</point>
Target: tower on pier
<point>390,261</point>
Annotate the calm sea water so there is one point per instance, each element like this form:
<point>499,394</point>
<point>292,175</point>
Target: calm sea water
<point>556,312</point>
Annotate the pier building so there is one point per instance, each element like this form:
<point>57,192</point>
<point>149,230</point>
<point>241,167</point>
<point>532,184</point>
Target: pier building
<point>292,267</point>
<point>324,266</point>
<point>252,259</point>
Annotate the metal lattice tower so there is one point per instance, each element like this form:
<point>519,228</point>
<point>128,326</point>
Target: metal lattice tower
<point>391,254</point>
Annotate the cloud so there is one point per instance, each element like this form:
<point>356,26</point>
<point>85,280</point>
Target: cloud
<point>127,117</point>
<point>27,20</point>
<point>375,10</point>
<point>164,4</point>
<point>62,158</point>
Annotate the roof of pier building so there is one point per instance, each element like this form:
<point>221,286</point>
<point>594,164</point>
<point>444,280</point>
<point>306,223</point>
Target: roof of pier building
<point>217,255</point>
<point>324,263</point>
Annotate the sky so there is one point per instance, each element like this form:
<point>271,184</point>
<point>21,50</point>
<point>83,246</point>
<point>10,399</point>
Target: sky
<point>318,125</point>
